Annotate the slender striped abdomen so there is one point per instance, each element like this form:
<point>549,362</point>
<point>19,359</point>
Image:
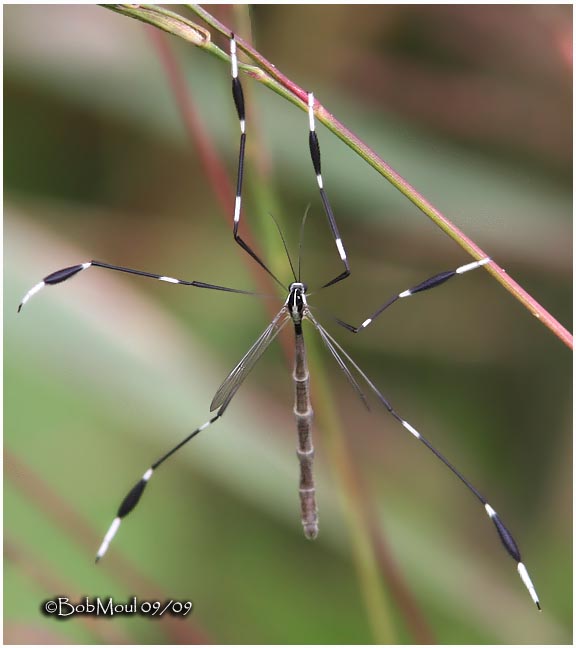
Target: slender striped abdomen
<point>303,412</point>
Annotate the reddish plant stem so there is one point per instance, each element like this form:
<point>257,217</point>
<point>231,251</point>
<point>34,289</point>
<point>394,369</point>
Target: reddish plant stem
<point>215,169</point>
<point>400,592</point>
<point>51,582</point>
<point>69,521</point>
<point>399,182</point>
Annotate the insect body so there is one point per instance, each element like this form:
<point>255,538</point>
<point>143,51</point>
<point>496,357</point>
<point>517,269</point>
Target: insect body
<point>294,310</point>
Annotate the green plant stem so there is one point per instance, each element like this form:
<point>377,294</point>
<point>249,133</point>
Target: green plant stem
<point>366,536</point>
<point>216,172</point>
<point>377,598</point>
<point>166,20</point>
<point>371,581</point>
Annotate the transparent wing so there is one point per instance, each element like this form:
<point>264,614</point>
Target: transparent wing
<point>236,377</point>
<point>330,343</point>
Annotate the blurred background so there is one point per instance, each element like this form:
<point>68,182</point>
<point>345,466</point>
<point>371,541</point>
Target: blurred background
<point>473,106</point>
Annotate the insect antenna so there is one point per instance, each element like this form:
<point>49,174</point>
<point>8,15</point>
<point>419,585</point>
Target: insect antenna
<point>285,246</point>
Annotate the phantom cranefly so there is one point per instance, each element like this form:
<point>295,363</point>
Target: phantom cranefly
<point>295,310</point>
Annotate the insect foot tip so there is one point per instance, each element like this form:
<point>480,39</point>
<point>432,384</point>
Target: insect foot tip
<point>529,585</point>
<point>101,551</point>
<point>108,538</point>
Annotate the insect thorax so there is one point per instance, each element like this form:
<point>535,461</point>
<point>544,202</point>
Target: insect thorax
<point>296,301</point>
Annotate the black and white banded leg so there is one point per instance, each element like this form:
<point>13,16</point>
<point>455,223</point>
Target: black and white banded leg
<point>316,162</point>
<point>295,309</point>
<point>67,273</point>
<point>432,282</point>
<point>134,495</point>
<point>505,536</point>
<point>238,96</point>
